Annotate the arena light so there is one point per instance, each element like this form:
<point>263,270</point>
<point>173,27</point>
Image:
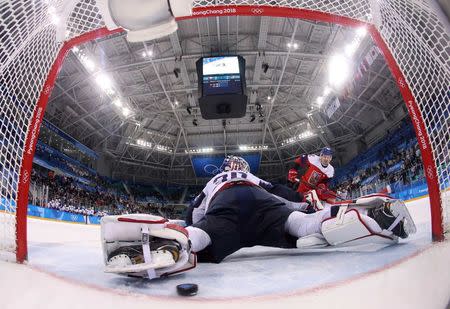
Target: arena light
<point>253,148</point>
<point>126,111</point>
<point>104,82</point>
<point>89,64</point>
<point>118,103</point>
<point>144,143</point>
<point>200,150</point>
<point>305,134</point>
<point>302,136</point>
<point>207,150</point>
<point>351,48</point>
<point>147,54</point>
<point>361,32</point>
<point>320,101</point>
<point>162,148</point>
<point>84,59</point>
<point>338,71</point>
<point>291,45</point>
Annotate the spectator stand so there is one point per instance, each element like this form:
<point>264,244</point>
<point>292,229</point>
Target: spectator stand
<point>395,161</point>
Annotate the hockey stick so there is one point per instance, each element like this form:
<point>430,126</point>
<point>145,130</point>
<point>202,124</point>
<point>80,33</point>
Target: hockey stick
<point>333,193</point>
<point>315,188</point>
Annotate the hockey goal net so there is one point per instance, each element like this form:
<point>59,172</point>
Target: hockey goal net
<point>36,35</point>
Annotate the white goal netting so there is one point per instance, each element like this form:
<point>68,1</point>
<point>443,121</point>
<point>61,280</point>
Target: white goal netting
<point>33,34</point>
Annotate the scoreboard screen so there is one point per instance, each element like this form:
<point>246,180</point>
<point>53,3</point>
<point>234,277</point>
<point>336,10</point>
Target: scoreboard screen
<point>221,85</point>
<point>220,65</point>
<point>221,75</point>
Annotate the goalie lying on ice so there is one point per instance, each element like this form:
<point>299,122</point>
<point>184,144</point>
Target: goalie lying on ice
<point>149,246</point>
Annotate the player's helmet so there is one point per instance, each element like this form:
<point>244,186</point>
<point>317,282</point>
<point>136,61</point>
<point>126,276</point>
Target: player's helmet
<point>234,163</point>
<point>326,151</point>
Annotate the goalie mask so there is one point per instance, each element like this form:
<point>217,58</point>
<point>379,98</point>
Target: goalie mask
<point>394,217</point>
<point>234,163</point>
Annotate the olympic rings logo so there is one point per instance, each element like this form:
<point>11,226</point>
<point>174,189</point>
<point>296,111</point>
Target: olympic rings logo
<point>211,169</point>
<point>430,172</point>
<point>25,177</point>
<point>257,11</point>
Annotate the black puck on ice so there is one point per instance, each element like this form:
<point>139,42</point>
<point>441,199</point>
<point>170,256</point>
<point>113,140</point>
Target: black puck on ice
<point>187,289</point>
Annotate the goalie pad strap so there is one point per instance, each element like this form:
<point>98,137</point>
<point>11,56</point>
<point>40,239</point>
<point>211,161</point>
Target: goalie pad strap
<point>334,211</point>
<point>394,224</point>
<point>146,251</point>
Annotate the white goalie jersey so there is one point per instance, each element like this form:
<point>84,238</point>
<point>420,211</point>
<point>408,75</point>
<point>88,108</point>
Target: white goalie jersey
<point>213,186</point>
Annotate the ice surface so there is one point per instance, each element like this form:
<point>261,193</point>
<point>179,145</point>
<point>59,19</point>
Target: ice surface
<point>73,252</point>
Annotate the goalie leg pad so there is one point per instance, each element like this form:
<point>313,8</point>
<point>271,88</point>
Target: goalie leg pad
<point>349,227</point>
<point>144,245</point>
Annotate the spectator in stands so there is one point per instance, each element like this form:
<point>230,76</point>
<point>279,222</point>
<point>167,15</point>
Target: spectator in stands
<point>409,172</point>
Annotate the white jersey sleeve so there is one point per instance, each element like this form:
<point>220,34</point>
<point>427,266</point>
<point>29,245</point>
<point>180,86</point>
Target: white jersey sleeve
<point>199,212</point>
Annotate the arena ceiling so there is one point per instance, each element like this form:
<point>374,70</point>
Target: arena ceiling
<point>286,71</point>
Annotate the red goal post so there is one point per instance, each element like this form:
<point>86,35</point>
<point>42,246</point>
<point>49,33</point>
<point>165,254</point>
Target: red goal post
<point>414,43</point>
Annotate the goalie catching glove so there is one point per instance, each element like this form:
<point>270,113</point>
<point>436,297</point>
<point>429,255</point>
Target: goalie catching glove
<point>145,246</point>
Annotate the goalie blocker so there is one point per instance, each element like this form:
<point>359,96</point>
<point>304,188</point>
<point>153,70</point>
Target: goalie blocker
<point>144,245</point>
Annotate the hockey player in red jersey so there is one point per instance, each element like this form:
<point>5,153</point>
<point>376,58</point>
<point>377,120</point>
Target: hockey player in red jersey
<point>318,172</point>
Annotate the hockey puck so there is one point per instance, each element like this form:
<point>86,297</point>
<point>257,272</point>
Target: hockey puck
<point>187,289</point>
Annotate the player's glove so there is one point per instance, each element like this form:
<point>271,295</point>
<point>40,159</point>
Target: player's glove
<point>324,193</point>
